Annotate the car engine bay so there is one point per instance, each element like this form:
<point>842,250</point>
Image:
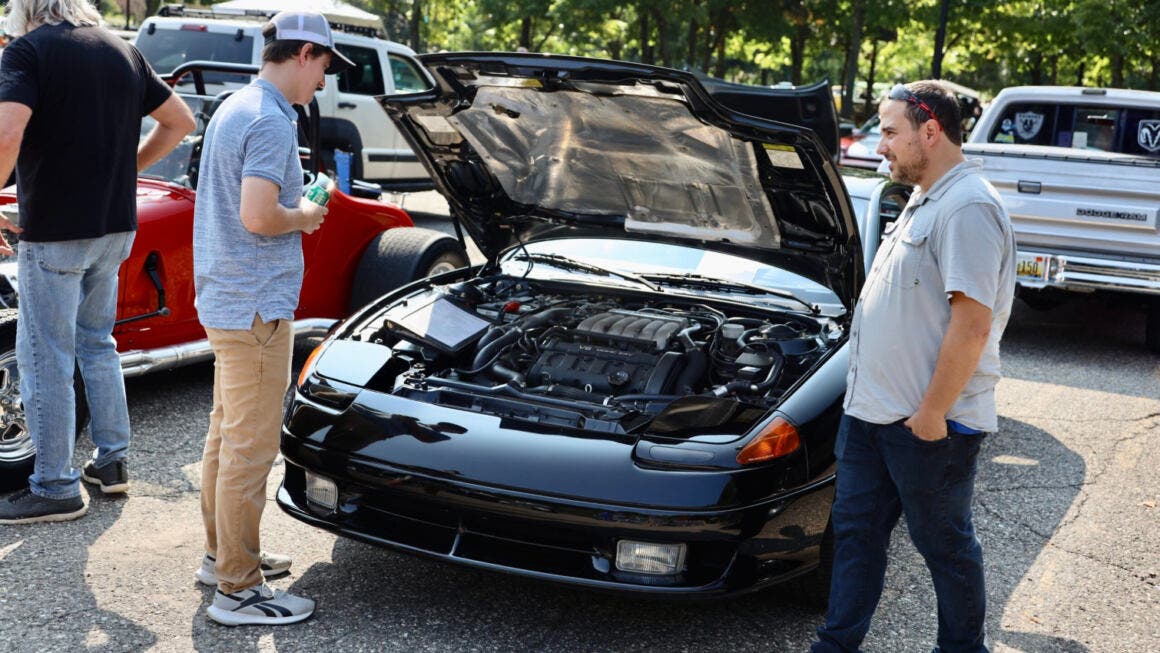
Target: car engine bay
<point>596,359</point>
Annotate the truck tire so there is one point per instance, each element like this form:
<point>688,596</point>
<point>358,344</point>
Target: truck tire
<point>399,256</point>
<point>17,451</point>
<point>1152,326</point>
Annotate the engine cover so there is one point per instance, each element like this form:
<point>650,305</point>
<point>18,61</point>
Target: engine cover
<point>615,352</point>
<point>632,326</point>
<point>606,369</point>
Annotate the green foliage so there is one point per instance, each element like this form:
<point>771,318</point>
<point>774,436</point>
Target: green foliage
<point>989,43</point>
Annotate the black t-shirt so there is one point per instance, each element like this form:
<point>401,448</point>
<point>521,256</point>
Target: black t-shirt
<point>76,176</point>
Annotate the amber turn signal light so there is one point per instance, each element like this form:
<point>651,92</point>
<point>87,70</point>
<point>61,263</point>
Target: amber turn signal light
<point>308,366</point>
<point>778,439</point>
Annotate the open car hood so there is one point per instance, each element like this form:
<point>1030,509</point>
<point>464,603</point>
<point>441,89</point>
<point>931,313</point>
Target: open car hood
<point>528,147</point>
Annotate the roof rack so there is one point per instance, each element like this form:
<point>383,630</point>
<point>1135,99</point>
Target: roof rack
<point>262,15</point>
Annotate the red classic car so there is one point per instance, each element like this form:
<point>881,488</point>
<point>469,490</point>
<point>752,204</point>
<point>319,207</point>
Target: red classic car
<point>364,248</point>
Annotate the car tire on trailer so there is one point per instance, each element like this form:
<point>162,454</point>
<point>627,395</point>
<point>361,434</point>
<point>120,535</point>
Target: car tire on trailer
<point>17,451</point>
<point>399,256</point>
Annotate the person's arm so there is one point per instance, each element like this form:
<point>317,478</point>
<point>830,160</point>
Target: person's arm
<point>14,117</point>
<point>174,121</point>
<point>262,214</point>
<point>962,347</point>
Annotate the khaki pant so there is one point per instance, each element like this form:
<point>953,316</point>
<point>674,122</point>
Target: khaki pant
<point>251,374</point>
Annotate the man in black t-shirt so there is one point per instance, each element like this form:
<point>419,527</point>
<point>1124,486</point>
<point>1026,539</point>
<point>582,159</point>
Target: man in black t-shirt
<point>72,96</point>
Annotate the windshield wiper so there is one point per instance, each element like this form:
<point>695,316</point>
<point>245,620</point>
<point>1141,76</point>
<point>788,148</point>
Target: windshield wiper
<point>570,263</point>
<point>692,280</point>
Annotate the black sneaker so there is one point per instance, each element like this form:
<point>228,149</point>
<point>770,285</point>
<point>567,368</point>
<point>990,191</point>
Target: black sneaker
<point>113,478</point>
<point>24,507</point>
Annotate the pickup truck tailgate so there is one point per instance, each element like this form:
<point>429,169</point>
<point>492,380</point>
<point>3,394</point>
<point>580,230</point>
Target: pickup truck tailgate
<point>1086,201</point>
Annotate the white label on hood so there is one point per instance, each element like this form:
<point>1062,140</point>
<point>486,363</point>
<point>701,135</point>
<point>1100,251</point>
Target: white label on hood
<point>783,156</point>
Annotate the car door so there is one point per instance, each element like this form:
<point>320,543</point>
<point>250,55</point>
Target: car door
<point>355,102</point>
<point>407,77</point>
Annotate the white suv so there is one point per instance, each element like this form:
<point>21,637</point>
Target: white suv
<point>352,120</point>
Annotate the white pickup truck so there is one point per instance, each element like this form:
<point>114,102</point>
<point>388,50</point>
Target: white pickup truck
<point>1079,171</point>
<point>351,118</point>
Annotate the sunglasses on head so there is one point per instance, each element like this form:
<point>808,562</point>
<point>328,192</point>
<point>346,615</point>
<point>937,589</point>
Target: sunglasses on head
<point>900,92</point>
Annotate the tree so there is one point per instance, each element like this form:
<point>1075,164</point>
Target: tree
<point>980,43</point>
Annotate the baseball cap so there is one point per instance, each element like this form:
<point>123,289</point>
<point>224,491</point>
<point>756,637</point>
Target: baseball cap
<point>310,27</point>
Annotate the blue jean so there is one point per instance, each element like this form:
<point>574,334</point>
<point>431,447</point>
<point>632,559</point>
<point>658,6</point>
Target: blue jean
<point>884,470</point>
<point>68,303</point>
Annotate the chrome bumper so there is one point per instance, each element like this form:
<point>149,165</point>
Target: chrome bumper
<point>144,361</point>
<point>1078,272</point>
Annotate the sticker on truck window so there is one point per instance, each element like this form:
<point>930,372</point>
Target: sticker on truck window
<point>1028,124</point>
<point>1148,135</point>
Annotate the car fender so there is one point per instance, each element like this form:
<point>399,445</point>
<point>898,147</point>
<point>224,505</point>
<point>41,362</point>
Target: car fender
<point>331,254</point>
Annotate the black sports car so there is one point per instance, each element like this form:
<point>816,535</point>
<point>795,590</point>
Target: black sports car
<point>640,389</point>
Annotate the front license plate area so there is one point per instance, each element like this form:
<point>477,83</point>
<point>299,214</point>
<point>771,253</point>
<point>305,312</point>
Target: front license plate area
<point>1031,267</point>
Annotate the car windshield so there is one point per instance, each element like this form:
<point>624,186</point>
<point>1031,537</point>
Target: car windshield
<point>166,49</point>
<point>649,258</point>
<point>175,167</point>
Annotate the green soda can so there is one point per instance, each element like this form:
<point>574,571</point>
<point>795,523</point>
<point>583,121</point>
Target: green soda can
<point>319,191</point>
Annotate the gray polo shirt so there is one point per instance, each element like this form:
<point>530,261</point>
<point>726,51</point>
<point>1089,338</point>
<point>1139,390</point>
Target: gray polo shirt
<point>956,236</point>
<point>238,273</point>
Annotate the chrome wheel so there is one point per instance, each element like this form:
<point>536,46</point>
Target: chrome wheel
<point>15,442</point>
<point>441,266</point>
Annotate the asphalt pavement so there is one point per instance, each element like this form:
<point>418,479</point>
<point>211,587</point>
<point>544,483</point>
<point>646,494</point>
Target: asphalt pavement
<point>1066,508</point>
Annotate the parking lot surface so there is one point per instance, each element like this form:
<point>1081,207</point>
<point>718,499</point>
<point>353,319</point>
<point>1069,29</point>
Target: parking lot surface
<point>1067,510</point>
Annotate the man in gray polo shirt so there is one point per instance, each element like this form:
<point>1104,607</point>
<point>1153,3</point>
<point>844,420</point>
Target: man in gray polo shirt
<point>247,260</point>
<point>924,361</point>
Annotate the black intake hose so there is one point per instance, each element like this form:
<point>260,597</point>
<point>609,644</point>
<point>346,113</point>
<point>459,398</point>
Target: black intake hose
<point>511,375</point>
<point>500,337</point>
<point>695,363</point>
<point>737,387</point>
<point>686,337</point>
<point>489,351</point>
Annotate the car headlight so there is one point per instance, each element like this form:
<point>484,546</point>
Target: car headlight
<point>321,490</point>
<point>650,557</point>
<point>346,361</point>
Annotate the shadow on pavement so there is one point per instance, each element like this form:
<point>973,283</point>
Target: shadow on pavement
<point>1028,481</point>
<point>62,614</point>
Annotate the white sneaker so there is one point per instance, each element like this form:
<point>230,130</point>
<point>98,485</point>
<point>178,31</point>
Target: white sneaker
<point>272,565</point>
<point>260,605</point>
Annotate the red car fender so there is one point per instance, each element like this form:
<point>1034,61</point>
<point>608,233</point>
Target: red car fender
<point>333,252</point>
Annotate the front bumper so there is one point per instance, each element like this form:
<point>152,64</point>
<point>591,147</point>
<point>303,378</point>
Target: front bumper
<point>555,539</point>
<point>1042,269</point>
